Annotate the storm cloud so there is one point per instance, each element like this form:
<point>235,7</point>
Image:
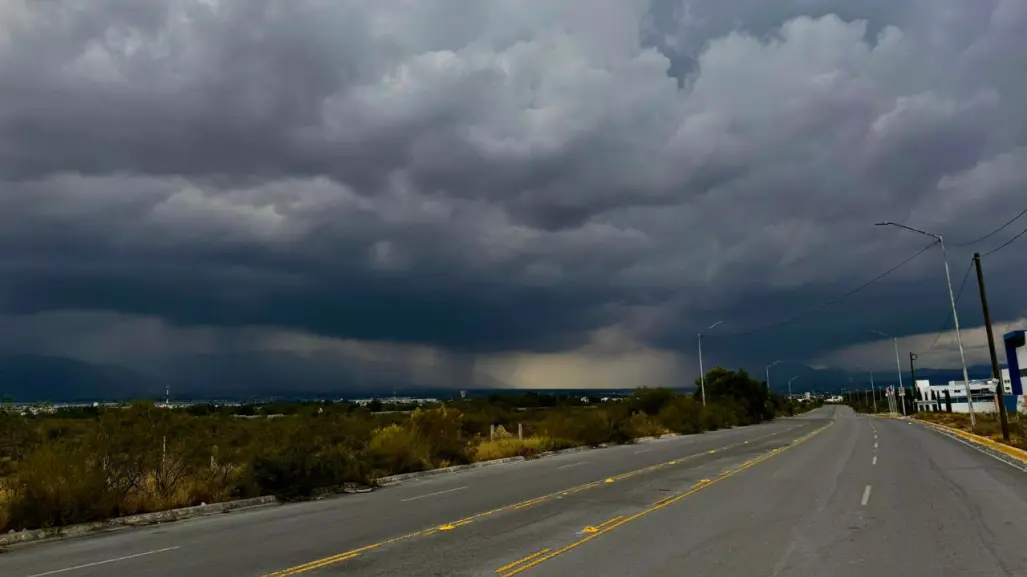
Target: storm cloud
<point>510,185</point>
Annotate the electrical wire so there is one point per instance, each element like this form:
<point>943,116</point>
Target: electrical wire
<point>948,317</point>
<point>826,304</point>
<point>1005,244</point>
<point>992,233</point>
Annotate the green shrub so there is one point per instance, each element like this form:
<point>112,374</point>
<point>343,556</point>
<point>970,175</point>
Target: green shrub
<point>396,449</point>
<point>296,471</point>
<point>591,428</point>
<point>59,485</point>
<point>717,416</point>
<point>641,425</point>
<point>440,432</point>
<point>682,415</point>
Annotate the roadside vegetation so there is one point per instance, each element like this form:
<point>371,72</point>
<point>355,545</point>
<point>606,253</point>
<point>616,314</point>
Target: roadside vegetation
<point>987,425</point>
<point>87,464</point>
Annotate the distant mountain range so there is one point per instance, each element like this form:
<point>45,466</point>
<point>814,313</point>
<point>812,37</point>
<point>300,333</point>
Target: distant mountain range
<point>42,378</point>
<point>834,379</point>
<point>831,380</point>
<point>33,378</point>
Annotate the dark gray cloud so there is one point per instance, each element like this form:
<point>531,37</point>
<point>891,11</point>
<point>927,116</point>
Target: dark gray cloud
<point>508,177</point>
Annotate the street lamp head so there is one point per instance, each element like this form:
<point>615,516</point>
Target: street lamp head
<point>880,333</point>
<point>715,324</point>
<point>936,237</point>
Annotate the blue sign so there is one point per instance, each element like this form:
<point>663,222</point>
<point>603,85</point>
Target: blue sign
<point>1016,359</point>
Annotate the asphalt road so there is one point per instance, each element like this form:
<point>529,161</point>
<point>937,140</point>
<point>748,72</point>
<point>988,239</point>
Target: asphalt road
<point>829,493</point>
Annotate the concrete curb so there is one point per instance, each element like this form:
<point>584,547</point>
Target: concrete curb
<point>133,521</point>
<point>647,439</point>
<point>1010,454</point>
<point>566,451</point>
<point>396,479</point>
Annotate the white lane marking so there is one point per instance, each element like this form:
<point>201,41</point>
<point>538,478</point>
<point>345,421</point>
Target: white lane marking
<point>572,465</point>
<point>875,445</point>
<point>643,451</point>
<point>875,460</point>
<point>866,496</point>
<point>125,558</point>
<point>432,494</point>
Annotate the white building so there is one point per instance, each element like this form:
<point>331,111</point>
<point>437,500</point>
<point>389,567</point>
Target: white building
<point>933,396</point>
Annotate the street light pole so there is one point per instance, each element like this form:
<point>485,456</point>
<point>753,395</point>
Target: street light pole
<point>768,373</point>
<point>955,314</point>
<point>898,367</point>
<point>702,374</point>
<point>873,388</point>
<point>789,385</point>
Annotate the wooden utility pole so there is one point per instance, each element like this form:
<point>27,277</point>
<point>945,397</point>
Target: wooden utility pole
<point>1000,396</point>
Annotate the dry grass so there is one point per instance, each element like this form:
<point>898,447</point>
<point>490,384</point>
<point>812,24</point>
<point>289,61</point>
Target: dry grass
<point>186,493</point>
<point>5,498</point>
<point>987,425</point>
<point>511,447</point>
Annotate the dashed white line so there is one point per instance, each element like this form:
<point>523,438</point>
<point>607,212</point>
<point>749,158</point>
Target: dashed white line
<point>643,451</point>
<point>572,465</point>
<point>866,496</point>
<point>875,445</point>
<point>432,494</point>
<point>125,558</point>
<point>875,460</point>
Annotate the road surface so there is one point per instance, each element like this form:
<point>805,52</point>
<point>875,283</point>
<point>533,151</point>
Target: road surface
<point>828,493</point>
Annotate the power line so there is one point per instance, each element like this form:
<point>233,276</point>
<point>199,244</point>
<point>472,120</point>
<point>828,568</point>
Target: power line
<point>992,233</point>
<point>948,317</point>
<point>828,303</point>
<point>1005,244</point>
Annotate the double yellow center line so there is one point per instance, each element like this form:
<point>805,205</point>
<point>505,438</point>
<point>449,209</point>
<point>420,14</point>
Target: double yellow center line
<point>515,568</point>
<point>522,560</point>
<point>318,563</point>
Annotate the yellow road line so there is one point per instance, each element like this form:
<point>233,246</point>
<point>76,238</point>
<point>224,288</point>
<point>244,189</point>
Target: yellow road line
<point>668,498</point>
<point>323,562</point>
<point>699,487</point>
<point>614,520</point>
<point>593,529</point>
<point>318,563</point>
<point>530,503</point>
<point>522,560</point>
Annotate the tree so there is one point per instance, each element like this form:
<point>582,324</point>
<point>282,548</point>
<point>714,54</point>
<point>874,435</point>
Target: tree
<point>746,397</point>
<point>650,401</point>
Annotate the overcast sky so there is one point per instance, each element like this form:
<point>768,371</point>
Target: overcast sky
<point>550,193</point>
